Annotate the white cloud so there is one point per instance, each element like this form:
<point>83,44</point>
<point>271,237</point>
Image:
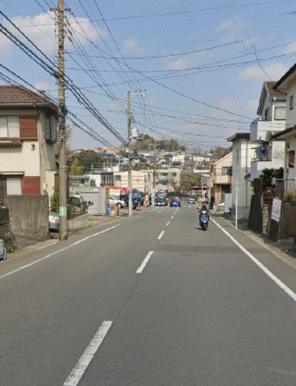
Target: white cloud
<point>42,31</point>
<point>50,90</point>
<point>255,73</point>
<point>228,104</point>
<point>180,64</point>
<point>5,45</point>
<point>131,45</point>
<point>291,48</point>
<point>252,105</point>
<point>234,23</point>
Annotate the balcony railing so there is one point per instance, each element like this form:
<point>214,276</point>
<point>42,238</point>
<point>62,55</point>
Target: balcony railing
<point>263,153</point>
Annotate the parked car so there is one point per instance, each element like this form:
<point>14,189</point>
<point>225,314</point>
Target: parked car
<point>54,221</point>
<point>191,200</point>
<point>175,201</point>
<point>116,201</point>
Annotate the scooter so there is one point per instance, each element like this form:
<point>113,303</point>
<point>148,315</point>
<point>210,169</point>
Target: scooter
<point>204,219</point>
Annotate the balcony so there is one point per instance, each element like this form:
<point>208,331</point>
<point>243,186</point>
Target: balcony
<point>259,129</point>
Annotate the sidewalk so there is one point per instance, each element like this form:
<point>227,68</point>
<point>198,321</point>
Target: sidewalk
<point>283,249</point>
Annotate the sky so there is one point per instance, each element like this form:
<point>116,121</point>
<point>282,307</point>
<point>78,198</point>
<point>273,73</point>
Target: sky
<point>195,69</point>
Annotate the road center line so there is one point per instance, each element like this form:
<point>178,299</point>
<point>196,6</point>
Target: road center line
<point>160,236</point>
<point>259,264</point>
<point>144,262</point>
<point>172,217</point>
<point>56,253</point>
<point>168,223</point>
<point>84,361</point>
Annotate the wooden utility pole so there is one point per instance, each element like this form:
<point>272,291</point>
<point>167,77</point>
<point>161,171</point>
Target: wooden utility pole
<point>129,126</point>
<point>62,123</point>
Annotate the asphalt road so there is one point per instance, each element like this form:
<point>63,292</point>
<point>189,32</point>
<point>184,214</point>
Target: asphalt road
<point>151,300</point>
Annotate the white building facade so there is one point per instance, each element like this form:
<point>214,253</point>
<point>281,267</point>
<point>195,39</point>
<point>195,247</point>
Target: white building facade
<point>242,155</point>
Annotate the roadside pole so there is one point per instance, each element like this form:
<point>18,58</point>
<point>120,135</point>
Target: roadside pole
<point>62,124</point>
<point>129,126</point>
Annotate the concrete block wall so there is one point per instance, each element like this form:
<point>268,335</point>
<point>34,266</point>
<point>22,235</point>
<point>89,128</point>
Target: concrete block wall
<point>28,216</point>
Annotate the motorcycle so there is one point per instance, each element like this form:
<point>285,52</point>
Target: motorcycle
<point>204,219</point>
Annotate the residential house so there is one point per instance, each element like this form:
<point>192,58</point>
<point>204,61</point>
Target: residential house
<point>28,137</point>
<point>141,180</point>
<point>242,154</point>
<point>287,86</point>
<point>272,119</point>
<point>221,177</point>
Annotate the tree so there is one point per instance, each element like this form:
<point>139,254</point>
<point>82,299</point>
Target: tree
<point>76,168</point>
<point>188,180</point>
<point>85,162</point>
<point>268,174</point>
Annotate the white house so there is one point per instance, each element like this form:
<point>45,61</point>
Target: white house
<point>28,136</point>
<point>272,119</point>
<point>287,86</point>
<point>242,155</point>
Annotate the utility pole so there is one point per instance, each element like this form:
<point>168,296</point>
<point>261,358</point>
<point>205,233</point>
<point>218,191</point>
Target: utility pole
<point>129,126</point>
<point>62,123</point>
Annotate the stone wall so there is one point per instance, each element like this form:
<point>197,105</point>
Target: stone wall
<point>287,225</point>
<point>28,216</point>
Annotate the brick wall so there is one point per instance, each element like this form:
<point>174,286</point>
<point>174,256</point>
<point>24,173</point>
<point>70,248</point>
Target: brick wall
<point>31,186</point>
<point>28,126</point>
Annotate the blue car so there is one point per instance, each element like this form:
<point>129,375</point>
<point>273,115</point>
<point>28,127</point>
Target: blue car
<point>175,201</point>
<point>191,200</point>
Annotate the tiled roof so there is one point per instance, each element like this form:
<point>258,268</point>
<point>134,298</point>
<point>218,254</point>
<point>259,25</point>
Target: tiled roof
<point>19,94</point>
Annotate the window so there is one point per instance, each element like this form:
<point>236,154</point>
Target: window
<point>226,170</point>
<point>9,127</point>
<point>50,129</point>
<point>280,113</point>
<point>291,159</point>
<point>291,102</point>
<point>14,186</point>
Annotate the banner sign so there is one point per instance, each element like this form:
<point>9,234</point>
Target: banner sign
<point>276,209</point>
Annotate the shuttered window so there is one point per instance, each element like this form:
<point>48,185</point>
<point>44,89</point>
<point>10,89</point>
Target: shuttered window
<point>280,113</point>
<point>14,186</point>
<point>51,129</point>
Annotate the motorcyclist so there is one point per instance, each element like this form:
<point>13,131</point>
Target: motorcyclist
<point>204,206</point>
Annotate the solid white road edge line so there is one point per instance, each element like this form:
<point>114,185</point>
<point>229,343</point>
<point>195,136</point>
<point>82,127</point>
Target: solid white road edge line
<point>56,253</point>
<point>168,223</point>
<point>144,262</point>
<point>160,236</point>
<point>84,361</point>
<point>260,265</point>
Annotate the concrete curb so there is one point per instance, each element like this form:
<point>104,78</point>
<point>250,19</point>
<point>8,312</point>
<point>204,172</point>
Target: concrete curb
<point>281,251</point>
